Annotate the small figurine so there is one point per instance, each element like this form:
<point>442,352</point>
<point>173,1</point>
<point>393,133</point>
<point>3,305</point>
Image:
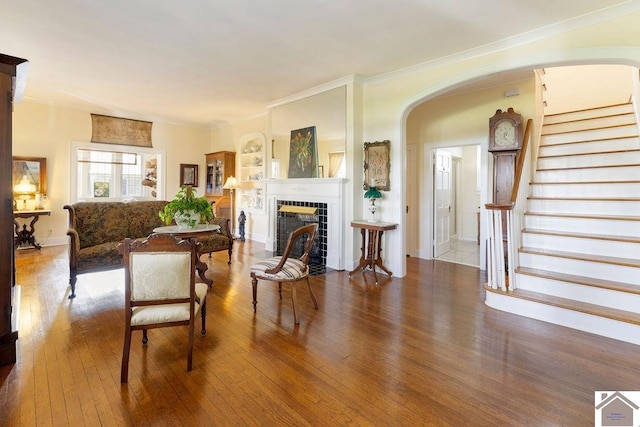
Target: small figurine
<point>241,220</point>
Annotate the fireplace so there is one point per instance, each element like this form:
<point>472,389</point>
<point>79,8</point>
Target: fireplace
<point>295,214</point>
<point>323,194</point>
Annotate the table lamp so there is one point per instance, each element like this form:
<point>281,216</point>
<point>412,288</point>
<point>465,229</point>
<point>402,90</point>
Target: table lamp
<point>24,189</point>
<point>372,194</point>
<point>231,184</point>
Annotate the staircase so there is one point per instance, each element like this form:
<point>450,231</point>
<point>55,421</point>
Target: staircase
<point>580,255</point>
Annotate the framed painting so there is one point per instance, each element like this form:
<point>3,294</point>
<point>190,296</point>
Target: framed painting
<point>101,189</point>
<point>377,165</point>
<point>34,168</point>
<point>116,130</point>
<point>303,153</point>
<point>188,175</point>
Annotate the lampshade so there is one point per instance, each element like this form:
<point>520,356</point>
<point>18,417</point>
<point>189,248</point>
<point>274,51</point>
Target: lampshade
<point>231,183</point>
<point>24,186</point>
<point>372,193</point>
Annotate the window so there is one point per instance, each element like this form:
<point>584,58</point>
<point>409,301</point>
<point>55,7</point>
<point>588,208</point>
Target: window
<point>111,172</point>
<point>336,165</point>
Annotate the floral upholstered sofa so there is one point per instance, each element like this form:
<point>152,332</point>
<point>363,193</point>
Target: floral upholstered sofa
<point>96,229</point>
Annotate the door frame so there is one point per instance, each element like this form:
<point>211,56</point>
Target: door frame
<point>412,210</point>
<point>427,202</point>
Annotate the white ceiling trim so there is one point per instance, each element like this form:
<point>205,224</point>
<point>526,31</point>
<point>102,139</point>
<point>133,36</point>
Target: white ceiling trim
<point>613,12</point>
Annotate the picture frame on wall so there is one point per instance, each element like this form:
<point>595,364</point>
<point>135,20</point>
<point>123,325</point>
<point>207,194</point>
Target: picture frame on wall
<point>101,189</point>
<point>188,174</point>
<point>303,153</point>
<point>377,165</point>
<point>34,168</point>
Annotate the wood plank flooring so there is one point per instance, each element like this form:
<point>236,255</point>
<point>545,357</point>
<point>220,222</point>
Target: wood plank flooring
<point>421,350</point>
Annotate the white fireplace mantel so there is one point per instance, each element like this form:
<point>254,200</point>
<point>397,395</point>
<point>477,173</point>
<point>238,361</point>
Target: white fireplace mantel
<point>319,190</point>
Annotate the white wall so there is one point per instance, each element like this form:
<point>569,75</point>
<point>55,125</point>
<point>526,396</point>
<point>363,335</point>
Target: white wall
<point>462,121</point>
<point>43,130</point>
<point>229,137</point>
<point>378,111</point>
<point>607,84</point>
<point>470,193</point>
<point>388,100</point>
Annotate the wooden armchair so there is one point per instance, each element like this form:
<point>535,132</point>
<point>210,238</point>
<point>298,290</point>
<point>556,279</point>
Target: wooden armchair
<point>160,290</point>
<point>285,269</point>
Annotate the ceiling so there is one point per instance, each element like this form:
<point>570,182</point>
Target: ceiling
<point>211,62</point>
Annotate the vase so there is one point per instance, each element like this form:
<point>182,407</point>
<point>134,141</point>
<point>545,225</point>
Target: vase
<point>374,213</point>
<point>188,219</point>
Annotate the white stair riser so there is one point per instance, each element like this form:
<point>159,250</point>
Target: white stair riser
<point>621,331</point>
<point>590,147</point>
<point>586,190</point>
<point>594,123</point>
<point>589,114</point>
<point>590,135</point>
<point>597,270</point>
<point>621,173</point>
<point>585,207</point>
<point>608,298</point>
<point>570,160</point>
<point>579,225</point>
<point>589,160</point>
<point>581,245</point>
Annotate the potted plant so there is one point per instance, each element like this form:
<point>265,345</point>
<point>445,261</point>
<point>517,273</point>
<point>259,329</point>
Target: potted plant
<point>187,209</point>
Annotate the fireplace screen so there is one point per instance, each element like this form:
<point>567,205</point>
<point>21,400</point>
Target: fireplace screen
<point>292,215</point>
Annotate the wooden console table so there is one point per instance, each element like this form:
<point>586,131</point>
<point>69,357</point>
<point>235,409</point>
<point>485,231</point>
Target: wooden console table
<point>24,235</point>
<point>372,247</point>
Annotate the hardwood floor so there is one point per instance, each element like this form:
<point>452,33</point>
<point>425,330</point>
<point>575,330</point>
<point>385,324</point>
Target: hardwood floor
<point>422,350</point>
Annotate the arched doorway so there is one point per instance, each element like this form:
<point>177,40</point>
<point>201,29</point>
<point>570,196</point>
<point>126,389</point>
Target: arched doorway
<point>475,78</point>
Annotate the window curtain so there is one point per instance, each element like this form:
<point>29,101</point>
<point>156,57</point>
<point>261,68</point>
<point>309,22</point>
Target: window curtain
<point>335,163</point>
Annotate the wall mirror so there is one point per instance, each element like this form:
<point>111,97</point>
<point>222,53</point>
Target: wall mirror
<point>327,112</point>
<point>34,168</point>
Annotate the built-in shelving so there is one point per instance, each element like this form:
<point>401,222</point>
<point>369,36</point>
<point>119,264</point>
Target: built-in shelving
<point>252,172</point>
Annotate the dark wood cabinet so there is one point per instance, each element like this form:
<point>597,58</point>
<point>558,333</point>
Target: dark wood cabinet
<point>12,74</point>
<point>219,166</point>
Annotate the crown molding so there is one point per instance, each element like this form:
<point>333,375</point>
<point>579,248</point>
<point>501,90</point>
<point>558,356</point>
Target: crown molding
<point>602,15</point>
<point>114,112</point>
<point>350,79</point>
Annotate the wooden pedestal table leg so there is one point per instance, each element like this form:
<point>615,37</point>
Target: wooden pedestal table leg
<point>371,251</point>
<point>31,238</point>
<point>379,256</point>
<point>363,255</point>
<point>24,235</point>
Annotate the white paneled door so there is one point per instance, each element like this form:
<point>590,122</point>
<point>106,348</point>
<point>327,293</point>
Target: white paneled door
<point>442,202</point>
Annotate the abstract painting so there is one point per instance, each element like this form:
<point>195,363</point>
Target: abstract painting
<point>303,153</point>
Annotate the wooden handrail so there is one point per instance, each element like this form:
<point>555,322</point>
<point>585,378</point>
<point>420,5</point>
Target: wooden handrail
<point>520,165</point>
<point>497,207</point>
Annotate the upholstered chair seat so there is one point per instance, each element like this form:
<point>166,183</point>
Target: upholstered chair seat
<point>287,269</point>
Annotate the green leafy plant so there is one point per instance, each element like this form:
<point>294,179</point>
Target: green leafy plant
<point>186,200</point>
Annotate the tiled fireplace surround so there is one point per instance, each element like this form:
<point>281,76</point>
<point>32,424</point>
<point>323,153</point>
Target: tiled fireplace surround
<point>312,190</point>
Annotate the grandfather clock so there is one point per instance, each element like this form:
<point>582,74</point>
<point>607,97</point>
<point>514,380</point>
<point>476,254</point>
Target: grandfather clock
<point>12,74</point>
<point>505,141</point>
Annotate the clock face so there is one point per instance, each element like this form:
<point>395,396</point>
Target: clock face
<point>505,134</point>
